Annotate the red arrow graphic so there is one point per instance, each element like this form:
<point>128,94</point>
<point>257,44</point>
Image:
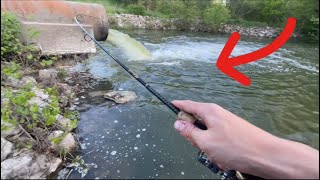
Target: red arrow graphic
<point>226,64</point>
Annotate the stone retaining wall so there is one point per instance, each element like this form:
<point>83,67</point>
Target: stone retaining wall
<point>128,21</point>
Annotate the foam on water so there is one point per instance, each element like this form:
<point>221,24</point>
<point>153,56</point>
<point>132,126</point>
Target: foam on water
<point>169,52</point>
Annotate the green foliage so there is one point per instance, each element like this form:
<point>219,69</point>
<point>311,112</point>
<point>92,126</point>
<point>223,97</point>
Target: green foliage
<point>314,32</point>
<point>136,9</point>
<point>11,47</point>
<point>10,32</point>
<point>13,70</point>
<point>216,15</point>
<point>18,109</point>
<point>275,13</point>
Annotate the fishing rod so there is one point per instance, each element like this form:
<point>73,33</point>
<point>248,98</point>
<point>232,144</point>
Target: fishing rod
<point>202,157</point>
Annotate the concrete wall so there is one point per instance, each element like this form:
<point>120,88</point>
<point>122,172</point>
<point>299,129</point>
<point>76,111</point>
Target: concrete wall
<point>55,38</point>
<point>58,11</point>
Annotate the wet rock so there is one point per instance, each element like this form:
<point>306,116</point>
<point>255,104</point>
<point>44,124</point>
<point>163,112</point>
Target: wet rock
<point>6,148</point>
<point>29,166</point>
<point>27,80</point>
<point>64,122</point>
<point>120,97</point>
<point>96,93</point>
<point>47,74</point>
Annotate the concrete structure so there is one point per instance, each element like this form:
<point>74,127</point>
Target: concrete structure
<point>55,38</point>
<point>54,20</point>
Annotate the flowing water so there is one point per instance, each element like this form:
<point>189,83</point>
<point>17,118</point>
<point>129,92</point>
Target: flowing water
<point>137,139</point>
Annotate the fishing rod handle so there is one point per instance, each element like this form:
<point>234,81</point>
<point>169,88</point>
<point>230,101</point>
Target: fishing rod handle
<point>202,157</point>
<point>193,119</point>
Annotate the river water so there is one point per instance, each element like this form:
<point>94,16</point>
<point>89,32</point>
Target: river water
<point>137,139</point>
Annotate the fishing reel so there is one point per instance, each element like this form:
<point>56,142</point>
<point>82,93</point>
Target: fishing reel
<point>204,160</point>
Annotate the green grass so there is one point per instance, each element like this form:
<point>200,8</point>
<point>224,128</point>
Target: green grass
<point>117,8</point>
<point>110,7</point>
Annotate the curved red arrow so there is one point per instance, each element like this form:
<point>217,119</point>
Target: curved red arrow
<point>226,64</point>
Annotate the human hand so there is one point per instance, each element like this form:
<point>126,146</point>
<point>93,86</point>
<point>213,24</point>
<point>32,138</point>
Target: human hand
<point>229,141</point>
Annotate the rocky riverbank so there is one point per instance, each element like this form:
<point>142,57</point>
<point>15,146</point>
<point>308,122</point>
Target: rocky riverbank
<point>38,119</point>
<point>127,21</point>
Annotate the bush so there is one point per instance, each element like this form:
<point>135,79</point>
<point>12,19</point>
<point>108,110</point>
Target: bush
<point>216,15</point>
<point>10,32</point>
<point>136,9</point>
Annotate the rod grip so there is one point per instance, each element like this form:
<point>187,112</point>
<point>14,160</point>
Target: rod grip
<point>193,119</point>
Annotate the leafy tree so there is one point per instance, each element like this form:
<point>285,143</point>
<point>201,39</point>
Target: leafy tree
<point>216,15</point>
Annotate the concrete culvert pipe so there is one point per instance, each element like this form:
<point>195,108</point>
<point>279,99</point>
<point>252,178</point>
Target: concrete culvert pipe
<point>44,11</point>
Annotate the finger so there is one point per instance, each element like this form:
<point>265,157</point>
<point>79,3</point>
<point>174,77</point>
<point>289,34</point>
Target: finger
<point>189,131</point>
<point>199,109</point>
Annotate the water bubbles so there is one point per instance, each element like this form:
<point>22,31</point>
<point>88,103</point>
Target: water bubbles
<point>135,148</point>
<point>154,160</point>
<point>138,129</point>
<point>102,137</point>
<point>182,173</point>
<point>144,129</point>
<point>147,144</point>
<point>115,121</point>
<point>138,136</point>
<point>161,166</point>
<point>134,159</point>
<point>154,145</point>
<point>113,153</point>
<point>118,171</point>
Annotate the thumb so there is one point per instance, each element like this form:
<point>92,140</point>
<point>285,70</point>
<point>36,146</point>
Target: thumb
<point>188,131</point>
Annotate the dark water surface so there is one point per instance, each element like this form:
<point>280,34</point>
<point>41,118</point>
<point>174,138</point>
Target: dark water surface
<point>137,139</point>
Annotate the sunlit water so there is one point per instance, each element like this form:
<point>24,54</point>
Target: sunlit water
<point>137,140</point>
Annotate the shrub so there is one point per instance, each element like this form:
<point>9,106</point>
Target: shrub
<point>216,15</point>
<point>136,9</point>
<point>10,32</point>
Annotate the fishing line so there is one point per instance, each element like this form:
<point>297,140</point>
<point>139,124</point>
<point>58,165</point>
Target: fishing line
<point>202,158</point>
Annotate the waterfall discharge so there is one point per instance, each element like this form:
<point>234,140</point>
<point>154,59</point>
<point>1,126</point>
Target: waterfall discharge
<point>132,48</point>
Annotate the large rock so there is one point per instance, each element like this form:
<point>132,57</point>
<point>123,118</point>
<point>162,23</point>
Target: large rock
<point>41,99</point>
<point>27,80</point>
<point>6,148</point>
<point>11,81</point>
<point>29,166</point>
<point>68,142</point>
<point>47,74</point>
<point>64,122</point>
<point>120,97</point>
